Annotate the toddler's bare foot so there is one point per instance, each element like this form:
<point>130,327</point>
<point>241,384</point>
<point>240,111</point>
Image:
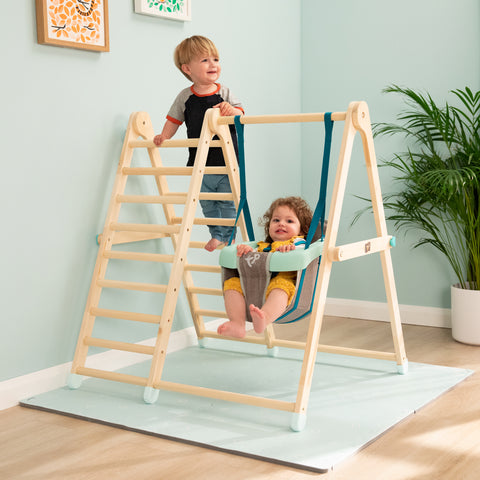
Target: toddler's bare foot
<point>212,244</point>
<point>231,329</point>
<point>259,319</point>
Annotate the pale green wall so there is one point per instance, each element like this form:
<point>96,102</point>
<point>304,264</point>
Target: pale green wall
<point>63,116</point>
<point>351,50</point>
<point>64,113</point>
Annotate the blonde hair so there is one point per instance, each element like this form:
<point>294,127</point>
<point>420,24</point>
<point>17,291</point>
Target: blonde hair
<point>299,206</point>
<point>192,47</point>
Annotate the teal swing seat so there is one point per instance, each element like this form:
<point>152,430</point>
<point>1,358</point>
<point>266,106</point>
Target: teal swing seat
<point>256,268</point>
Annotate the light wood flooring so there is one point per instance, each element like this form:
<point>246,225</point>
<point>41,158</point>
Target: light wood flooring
<point>440,442</point>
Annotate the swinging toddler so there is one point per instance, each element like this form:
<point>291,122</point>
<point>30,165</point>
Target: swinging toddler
<point>286,223</point>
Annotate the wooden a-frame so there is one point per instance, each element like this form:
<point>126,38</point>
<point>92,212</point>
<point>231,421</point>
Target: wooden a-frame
<point>179,229</point>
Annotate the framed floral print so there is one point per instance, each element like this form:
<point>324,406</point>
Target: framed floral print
<point>172,9</point>
<point>73,23</point>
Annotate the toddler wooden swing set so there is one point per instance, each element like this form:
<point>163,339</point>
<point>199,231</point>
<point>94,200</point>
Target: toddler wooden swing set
<point>322,254</point>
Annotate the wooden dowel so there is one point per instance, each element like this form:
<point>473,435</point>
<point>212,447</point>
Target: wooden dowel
<point>181,142</point>
<point>227,222</point>
<point>228,396</point>
<point>157,171</point>
<point>129,237</point>
<point>141,287</point>
<point>203,268</point>
<point>123,346</point>
<point>359,249</point>
<point>206,291</point>
<point>216,196</point>
<point>211,313</point>
<point>135,317</point>
<point>179,199</point>
<point>355,352</point>
<point>246,339</point>
<point>137,227</point>
<point>140,256</point>
<point>285,118</point>
<point>115,376</point>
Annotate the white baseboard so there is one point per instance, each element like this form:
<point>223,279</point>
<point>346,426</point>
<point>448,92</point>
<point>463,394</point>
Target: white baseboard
<point>16,389</point>
<point>409,314</point>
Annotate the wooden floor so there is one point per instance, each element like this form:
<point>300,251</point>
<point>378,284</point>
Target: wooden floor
<point>440,442</point>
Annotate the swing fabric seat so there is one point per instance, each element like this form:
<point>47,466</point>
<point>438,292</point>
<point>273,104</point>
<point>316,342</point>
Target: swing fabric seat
<point>255,270</point>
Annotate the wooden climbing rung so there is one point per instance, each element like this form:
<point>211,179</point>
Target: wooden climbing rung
<point>123,346</point>
<point>211,313</point>
<point>203,268</point>
<point>140,256</point>
<point>158,171</point>
<point>162,199</point>
<point>119,315</point>
<point>227,222</point>
<point>206,291</point>
<point>144,227</point>
<point>187,142</point>
<point>142,287</point>
<point>115,376</point>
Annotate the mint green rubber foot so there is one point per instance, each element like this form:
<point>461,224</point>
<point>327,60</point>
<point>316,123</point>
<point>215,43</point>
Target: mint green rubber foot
<point>299,420</point>
<point>74,380</point>
<point>150,395</point>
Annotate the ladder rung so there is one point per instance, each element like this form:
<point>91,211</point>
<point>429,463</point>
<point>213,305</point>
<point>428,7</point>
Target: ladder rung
<point>174,198</point>
<point>187,142</point>
<point>216,196</point>
<point>157,171</point>
<point>142,287</point>
<point>203,268</point>
<point>143,257</point>
<point>114,345</point>
<point>135,317</point>
<point>106,375</point>
<point>226,222</point>
<point>143,227</point>
<point>202,245</point>
<point>206,291</point>
<point>211,313</point>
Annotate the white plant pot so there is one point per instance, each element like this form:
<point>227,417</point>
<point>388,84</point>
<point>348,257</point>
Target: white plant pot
<point>465,315</point>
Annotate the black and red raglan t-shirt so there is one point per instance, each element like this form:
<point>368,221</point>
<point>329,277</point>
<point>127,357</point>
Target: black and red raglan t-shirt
<point>189,107</point>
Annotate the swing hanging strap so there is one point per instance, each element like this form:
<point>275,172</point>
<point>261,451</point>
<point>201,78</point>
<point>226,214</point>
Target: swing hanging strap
<point>319,214</point>
<point>243,204</point>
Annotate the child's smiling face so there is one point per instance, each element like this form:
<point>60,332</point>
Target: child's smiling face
<point>284,224</point>
<point>203,69</point>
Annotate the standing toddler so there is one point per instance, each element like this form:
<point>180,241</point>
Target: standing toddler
<point>197,58</point>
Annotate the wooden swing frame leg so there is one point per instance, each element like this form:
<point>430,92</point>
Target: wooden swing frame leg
<point>357,119</point>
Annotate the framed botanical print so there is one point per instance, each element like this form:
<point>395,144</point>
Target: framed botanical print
<point>172,9</point>
<point>73,23</point>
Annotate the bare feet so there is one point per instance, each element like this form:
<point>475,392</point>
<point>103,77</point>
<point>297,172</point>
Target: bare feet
<point>231,329</point>
<point>259,319</point>
<point>212,244</point>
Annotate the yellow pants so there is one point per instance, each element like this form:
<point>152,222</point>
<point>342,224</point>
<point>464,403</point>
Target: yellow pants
<point>283,280</point>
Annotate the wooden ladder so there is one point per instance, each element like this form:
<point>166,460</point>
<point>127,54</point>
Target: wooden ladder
<point>178,229</point>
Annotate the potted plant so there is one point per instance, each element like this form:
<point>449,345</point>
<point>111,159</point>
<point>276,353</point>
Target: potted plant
<point>439,190</point>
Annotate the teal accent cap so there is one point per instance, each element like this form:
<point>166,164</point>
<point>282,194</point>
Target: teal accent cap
<point>393,242</point>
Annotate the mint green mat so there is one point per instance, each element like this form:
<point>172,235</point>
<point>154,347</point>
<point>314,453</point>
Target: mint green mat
<point>352,402</point>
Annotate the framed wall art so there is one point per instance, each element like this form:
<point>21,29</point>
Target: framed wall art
<point>172,9</point>
<point>73,23</point>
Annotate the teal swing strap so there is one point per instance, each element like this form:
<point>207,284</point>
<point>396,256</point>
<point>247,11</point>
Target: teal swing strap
<point>243,203</point>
